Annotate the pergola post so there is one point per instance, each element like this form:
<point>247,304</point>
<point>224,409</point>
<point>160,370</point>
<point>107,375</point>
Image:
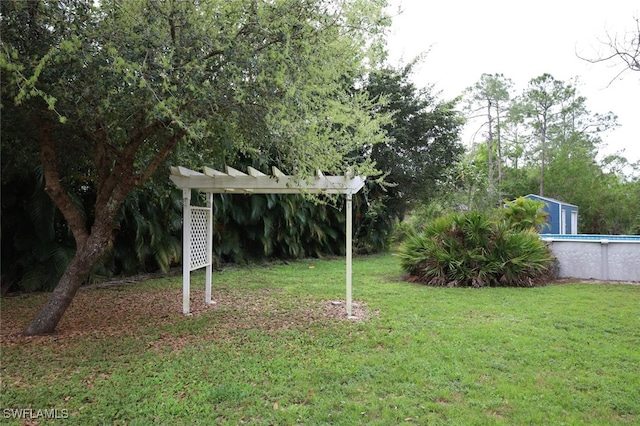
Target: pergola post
<point>186,249</point>
<point>349,248</point>
<point>207,292</point>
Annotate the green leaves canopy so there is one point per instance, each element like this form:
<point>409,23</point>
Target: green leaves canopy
<point>230,75</point>
<point>424,138</point>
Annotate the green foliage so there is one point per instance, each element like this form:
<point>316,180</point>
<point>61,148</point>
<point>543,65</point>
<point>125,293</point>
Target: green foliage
<point>148,237</point>
<point>607,200</point>
<point>374,218</point>
<point>36,243</point>
<point>424,138</point>
<point>231,77</point>
<point>401,232</point>
<point>148,231</point>
<point>116,90</point>
<point>465,187</point>
<point>490,96</point>
<point>477,250</point>
<point>281,226</point>
<point>550,146</point>
<point>424,214</point>
<point>635,227</point>
<point>525,214</point>
<point>257,227</point>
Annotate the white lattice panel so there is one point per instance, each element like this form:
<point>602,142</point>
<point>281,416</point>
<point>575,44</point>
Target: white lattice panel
<point>199,237</point>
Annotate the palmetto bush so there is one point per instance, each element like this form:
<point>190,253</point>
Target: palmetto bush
<point>524,213</point>
<point>275,226</point>
<point>474,249</point>
<point>37,245</point>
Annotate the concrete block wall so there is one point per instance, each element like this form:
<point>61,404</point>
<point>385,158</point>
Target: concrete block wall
<point>602,259</point>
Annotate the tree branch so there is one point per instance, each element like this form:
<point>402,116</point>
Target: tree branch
<point>121,178</point>
<point>53,186</point>
<point>102,155</point>
<point>627,50</point>
<point>161,156</point>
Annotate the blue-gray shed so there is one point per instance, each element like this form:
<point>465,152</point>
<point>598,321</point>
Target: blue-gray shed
<point>563,217</point>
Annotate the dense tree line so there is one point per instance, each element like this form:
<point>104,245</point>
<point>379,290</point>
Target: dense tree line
<point>545,141</point>
<point>38,245</point>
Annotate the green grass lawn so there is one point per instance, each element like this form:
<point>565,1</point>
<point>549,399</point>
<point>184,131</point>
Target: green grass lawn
<point>274,350</point>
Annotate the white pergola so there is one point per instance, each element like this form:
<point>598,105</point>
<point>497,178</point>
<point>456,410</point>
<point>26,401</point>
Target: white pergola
<point>197,234</point>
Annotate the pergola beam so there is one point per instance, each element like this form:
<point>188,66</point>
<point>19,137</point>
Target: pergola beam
<point>256,182</point>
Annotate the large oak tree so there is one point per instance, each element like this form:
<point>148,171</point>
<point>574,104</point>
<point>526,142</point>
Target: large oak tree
<point>108,92</point>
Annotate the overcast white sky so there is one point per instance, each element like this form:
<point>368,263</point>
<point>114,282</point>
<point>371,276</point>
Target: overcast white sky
<point>522,40</point>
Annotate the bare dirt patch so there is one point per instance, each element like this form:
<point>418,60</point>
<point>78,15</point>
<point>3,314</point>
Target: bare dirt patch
<point>115,311</point>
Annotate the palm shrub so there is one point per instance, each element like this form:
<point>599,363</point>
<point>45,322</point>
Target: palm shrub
<point>37,245</point>
<point>289,226</point>
<point>524,213</point>
<point>148,235</point>
<point>250,228</point>
<point>400,232</point>
<point>474,249</point>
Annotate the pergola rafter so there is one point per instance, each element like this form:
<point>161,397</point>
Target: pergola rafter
<point>197,241</point>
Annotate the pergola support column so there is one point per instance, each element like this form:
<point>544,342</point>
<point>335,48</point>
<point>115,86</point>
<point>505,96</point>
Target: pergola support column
<point>186,250</point>
<point>207,292</point>
<point>349,248</point>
